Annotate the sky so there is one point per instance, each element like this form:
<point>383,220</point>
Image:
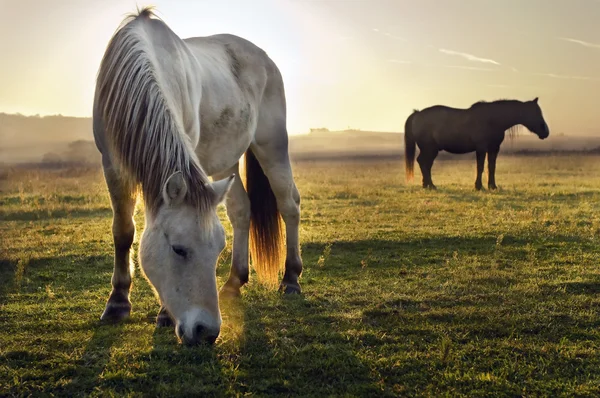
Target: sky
<point>359,64</point>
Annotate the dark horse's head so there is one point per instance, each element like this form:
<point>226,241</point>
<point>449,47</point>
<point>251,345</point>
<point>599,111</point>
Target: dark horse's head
<point>534,120</point>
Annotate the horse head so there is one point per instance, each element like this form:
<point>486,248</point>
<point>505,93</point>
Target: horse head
<point>178,253</point>
<point>533,119</point>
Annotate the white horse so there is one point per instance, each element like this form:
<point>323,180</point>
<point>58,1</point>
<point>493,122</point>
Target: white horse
<point>168,113</point>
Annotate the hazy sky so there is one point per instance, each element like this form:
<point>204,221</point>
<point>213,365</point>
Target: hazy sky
<point>346,63</point>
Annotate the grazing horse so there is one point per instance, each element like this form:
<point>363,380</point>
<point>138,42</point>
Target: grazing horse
<point>168,113</point>
<point>480,129</point>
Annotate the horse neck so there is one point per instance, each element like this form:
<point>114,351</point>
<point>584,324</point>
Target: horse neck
<point>505,115</point>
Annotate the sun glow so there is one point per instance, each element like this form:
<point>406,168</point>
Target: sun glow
<point>345,64</point>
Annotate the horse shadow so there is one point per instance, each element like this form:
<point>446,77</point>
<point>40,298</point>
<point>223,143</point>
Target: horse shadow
<point>45,214</point>
<point>88,369</point>
<point>290,345</point>
<point>9,269</point>
<point>55,321</point>
<point>512,196</point>
<point>26,274</point>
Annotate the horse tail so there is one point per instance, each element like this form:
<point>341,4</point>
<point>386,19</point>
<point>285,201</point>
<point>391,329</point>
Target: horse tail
<point>266,236</point>
<point>409,147</point>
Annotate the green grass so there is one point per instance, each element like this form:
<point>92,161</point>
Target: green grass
<point>406,291</point>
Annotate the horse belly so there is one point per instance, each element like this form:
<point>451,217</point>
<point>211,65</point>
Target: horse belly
<point>458,148</point>
<point>222,145</point>
<point>223,153</point>
<point>455,143</point>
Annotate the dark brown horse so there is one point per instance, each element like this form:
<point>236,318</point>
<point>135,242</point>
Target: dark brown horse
<point>480,129</point>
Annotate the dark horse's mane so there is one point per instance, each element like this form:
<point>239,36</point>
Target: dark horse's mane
<point>498,101</point>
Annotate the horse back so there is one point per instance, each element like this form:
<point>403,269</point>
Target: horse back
<point>446,128</point>
<point>240,85</point>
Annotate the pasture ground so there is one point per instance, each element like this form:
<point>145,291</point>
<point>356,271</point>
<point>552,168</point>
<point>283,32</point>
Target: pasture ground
<point>406,291</point>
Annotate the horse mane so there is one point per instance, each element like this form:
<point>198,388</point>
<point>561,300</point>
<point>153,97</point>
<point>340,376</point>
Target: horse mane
<point>141,129</point>
<point>513,132</point>
<point>498,101</point>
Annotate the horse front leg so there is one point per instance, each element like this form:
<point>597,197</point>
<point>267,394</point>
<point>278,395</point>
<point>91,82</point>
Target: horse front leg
<point>480,164</point>
<point>123,198</point>
<point>492,156</point>
<point>238,212</point>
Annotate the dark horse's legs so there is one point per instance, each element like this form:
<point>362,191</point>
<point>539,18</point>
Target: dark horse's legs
<point>425,160</point>
<point>492,156</point>
<point>480,163</point>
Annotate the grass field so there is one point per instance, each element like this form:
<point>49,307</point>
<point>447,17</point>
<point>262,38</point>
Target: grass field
<point>406,291</point>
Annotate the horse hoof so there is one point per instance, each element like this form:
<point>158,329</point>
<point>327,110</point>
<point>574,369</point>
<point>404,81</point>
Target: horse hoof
<point>492,187</point>
<point>290,288</point>
<point>116,312</point>
<point>228,292</point>
<point>164,320</point>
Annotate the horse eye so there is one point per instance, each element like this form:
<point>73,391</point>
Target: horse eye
<point>179,250</point>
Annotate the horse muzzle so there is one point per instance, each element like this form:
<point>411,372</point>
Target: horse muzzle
<point>544,133</point>
<point>197,334</point>
<point>198,326</point>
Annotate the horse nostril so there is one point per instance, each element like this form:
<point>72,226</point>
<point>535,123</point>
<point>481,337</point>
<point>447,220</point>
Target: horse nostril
<point>211,339</point>
<point>199,332</point>
<point>204,335</point>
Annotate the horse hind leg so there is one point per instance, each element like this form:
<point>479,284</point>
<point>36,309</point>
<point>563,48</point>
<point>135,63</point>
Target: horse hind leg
<point>288,203</point>
<point>123,198</point>
<point>425,160</point>
<point>274,160</point>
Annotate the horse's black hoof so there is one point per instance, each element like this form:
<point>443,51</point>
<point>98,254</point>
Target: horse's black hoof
<point>116,312</point>
<point>228,292</point>
<point>290,288</point>
<point>164,320</point>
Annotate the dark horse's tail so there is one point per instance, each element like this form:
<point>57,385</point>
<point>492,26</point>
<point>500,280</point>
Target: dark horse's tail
<point>265,223</point>
<point>409,147</point>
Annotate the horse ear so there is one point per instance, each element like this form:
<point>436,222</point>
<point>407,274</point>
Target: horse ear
<point>221,187</point>
<point>175,189</point>
<point>535,100</point>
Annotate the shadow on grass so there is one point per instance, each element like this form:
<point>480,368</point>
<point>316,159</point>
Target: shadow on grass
<point>8,269</point>
<point>49,214</point>
<point>586,288</point>
<point>515,198</point>
<point>300,345</point>
<point>349,256</point>
<point>89,368</point>
<point>48,299</point>
<point>61,273</point>
<point>293,345</point>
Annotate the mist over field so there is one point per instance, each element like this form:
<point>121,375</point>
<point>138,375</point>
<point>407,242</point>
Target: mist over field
<point>55,139</point>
